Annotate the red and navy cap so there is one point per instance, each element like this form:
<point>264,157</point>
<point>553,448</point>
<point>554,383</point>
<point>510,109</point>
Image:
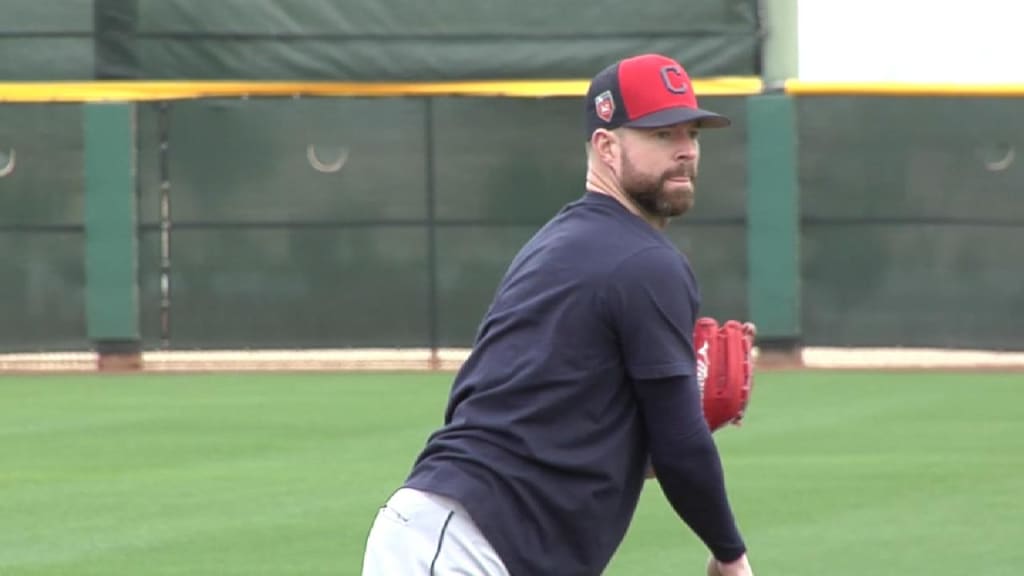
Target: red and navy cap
<point>646,91</point>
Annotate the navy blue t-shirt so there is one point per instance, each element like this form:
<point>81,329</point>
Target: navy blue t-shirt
<point>544,440</point>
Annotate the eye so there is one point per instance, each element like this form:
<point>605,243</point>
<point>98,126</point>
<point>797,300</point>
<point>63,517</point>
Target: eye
<point>663,134</point>
<point>694,134</point>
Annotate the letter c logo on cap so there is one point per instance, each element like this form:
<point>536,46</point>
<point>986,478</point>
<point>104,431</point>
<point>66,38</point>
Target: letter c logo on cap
<point>674,79</point>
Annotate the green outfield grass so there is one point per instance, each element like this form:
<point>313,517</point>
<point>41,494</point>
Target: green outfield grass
<point>845,474</point>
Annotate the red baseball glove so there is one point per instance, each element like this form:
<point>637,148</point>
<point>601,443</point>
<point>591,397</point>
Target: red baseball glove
<point>725,369</point>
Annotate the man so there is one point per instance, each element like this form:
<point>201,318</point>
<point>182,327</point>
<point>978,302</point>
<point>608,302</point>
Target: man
<point>583,370</point>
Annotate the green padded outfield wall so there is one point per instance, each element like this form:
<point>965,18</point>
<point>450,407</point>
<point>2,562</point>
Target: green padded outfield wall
<point>913,221</point>
<point>773,220</point>
<point>268,251</point>
<point>111,251</point>
<point>503,167</point>
<point>417,40</point>
<point>42,244</point>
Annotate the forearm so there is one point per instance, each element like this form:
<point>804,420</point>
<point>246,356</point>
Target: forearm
<point>687,463</point>
<point>695,487</point>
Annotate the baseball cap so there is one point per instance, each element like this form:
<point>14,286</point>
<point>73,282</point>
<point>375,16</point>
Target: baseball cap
<point>645,91</point>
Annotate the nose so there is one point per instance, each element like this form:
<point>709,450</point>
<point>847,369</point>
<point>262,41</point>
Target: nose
<point>688,147</point>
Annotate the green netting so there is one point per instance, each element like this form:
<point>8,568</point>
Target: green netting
<point>288,160</point>
<point>473,259</point>
<point>873,157</point>
<point>893,285</point>
<point>470,263</point>
<point>912,221</point>
<point>42,287</point>
<point>911,218</point>
<point>718,255</point>
<point>42,291</point>
<point>507,160</point>
<point>497,170</point>
<point>45,184</point>
<point>289,288</point>
<point>521,160</point>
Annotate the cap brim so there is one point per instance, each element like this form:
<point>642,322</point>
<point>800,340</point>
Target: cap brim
<point>680,115</point>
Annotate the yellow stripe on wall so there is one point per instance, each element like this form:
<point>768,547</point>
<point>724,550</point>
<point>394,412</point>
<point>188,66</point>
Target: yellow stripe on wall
<point>805,88</point>
<point>101,91</point>
<point>129,91</point>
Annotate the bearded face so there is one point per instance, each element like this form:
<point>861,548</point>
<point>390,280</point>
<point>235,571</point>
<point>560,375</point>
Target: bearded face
<point>663,194</point>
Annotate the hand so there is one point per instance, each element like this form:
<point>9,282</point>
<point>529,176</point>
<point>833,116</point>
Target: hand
<point>750,330</point>
<point>740,567</point>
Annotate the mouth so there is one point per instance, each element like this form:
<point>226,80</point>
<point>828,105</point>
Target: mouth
<point>681,175</point>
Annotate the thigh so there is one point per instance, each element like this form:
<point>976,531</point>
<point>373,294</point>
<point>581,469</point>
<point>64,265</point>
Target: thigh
<point>422,534</point>
<point>404,536</point>
<point>463,549</point>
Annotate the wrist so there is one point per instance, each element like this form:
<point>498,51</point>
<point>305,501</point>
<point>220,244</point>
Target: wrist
<point>730,555</point>
<point>738,566</point>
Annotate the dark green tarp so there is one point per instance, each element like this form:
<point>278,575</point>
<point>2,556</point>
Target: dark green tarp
<point>417,40</point>
<point>913,222</point>
<point>269,251</point>
<point>42,243</point>
<point>394,40</point>
<point>46,40</point>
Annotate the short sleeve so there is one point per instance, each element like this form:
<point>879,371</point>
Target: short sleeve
<point>651,299</point>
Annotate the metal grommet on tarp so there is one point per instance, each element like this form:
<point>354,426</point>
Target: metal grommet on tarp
<point>999,157</point>
<point>326,167</point>
<point>8,161</point>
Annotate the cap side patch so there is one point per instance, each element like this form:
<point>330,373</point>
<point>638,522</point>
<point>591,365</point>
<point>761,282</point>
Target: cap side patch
<point>604,105</point>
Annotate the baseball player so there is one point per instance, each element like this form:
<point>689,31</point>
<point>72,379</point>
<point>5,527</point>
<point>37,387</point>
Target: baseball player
<point>583,370</point>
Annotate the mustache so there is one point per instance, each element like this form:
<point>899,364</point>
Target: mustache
<point>682,171</point>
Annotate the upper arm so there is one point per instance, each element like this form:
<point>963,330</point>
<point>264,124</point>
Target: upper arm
<point>652,301</point>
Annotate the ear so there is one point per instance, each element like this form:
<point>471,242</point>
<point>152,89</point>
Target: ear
<point>606,146</point>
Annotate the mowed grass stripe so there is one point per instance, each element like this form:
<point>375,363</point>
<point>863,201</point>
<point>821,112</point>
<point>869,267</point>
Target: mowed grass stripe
<point>201,474</point>
<point>839,473</point>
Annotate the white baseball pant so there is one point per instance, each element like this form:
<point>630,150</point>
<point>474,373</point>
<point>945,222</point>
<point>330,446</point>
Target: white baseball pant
<point>424,534</point>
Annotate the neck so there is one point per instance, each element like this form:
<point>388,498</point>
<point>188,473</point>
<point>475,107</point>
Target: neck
<point>600,182</point>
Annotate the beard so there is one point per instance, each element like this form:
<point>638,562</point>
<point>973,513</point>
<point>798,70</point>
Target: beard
<point>652,194</point>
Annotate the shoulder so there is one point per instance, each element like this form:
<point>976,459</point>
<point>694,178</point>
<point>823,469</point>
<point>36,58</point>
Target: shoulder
<point>658,274</point>
<point>653,262</point>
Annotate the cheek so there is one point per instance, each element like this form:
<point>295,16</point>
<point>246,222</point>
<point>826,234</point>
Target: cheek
<point>625,165</point>
<point>634,164</point>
